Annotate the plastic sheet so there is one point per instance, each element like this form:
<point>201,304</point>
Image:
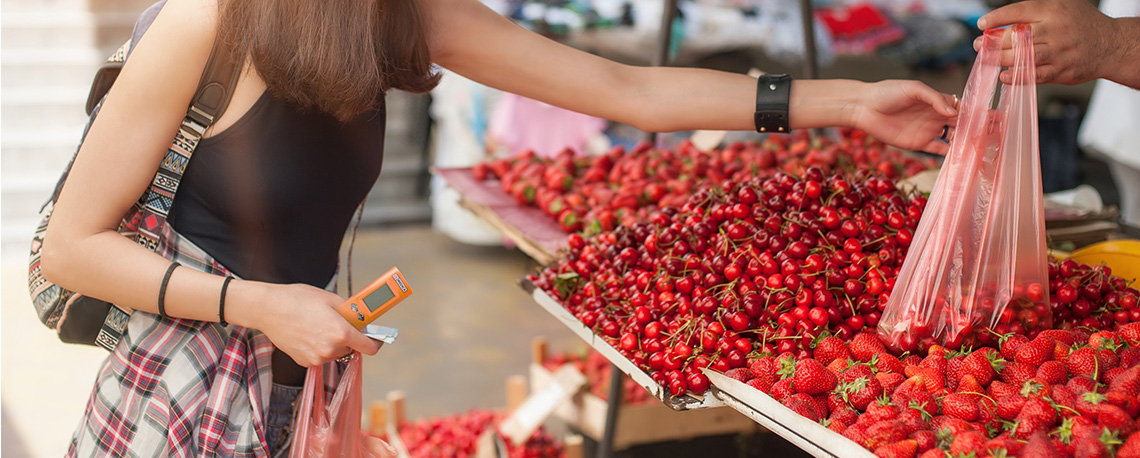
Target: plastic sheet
<point>329,426</point>
<point>977,263</point>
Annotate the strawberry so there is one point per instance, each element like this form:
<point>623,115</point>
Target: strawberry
<point>1036,388</point>
<point>1131,447</point>
<point>821,404</point>
<point>1130,356</point>
<point>856,371</point>
<point>1125,401</point>
<point>887,363</point>
<point>967,384</point>
<point>837,366</point>
<point>1093,446</point>
<point>970,442</point>
<point>1088,405</point>
<point>1037,414</point>
<point>1010,343</point>
<point>782,389</point>
<point>1115,418</point>
<point>866,345</point>
<point>861,392</point>
<point>877,412</point>
<point>912,360</point>
<point>1130,334</point>
<point>890,381</point>
<point>1064,398</point>
<point>813,378</point>
<point>1110,375</point>
<point>1104,339</point>
<point>954,371</point>
<point>925,439</point>
<point>1006,444</point>
<point>1060,335</point>
<point>1107,359</point>
<point>901,449</point>
<point>1039,446</point>
<point>1009,406</point>
<point>884,432</point>
<point>834,401</point>
<point>740,373</point>
<point>803,405</point>
<point>913,420</point>
<point>935,361</point>
<point>999,389</point>
<point>1016,373</point>
<point>950,426</point>
<point>857,432</point>
<point>958,405</point>
<point>1052,372</point>
<point>934,453</point>
<point>980,365</point>
<point>829,349</point>
<point>845,415</point>
<point>932,379</point>
<point>764,369</point>
<point>759,385</point>
<point>1128,381</point>
<point>833,425</point>
<point>1083,362</point>
<point>1036,351</point>
<point>1081,384</point>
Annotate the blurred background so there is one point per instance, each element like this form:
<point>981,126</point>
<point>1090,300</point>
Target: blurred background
<point>469,326</point>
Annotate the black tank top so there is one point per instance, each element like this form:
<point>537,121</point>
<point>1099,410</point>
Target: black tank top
<point>271,196</point>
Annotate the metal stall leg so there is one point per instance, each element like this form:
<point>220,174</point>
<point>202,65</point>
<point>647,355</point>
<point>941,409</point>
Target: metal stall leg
<point>617,393</point>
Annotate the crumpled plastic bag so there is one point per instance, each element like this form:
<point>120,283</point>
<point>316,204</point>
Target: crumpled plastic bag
<point>330,427</point>
<point>977,266</point>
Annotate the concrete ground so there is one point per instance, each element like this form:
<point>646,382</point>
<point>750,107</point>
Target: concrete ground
<point>467,328</point>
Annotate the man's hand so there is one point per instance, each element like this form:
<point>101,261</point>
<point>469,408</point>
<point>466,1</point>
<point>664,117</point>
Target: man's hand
<point>1073,42</point>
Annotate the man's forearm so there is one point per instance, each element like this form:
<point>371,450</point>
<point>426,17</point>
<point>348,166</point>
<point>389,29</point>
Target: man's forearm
<point>1125,69</point>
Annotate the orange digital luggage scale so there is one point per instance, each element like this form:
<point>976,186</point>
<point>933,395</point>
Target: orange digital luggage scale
<point>375,299</point>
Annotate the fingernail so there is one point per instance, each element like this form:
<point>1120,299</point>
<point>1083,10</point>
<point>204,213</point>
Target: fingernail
<point>982,23</point>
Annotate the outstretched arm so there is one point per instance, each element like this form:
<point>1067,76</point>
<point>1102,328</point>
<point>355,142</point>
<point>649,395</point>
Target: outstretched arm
<point>1073,42</point>
<point>474,41</point>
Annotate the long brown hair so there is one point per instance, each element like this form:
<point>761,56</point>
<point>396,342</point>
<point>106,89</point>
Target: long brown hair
<point>336,56</point>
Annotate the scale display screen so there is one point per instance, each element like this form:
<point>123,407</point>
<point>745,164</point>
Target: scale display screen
<point>378,298</point>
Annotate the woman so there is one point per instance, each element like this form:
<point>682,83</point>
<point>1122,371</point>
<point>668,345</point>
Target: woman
<point>274,183</point>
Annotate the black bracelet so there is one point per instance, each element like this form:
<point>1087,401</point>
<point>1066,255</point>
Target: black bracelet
<point>222,302</point>
<point>772,95</point>
<point>162,289</point>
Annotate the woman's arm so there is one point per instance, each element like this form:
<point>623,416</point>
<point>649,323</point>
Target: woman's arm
<point>474,41</point>
<point>82,250</point>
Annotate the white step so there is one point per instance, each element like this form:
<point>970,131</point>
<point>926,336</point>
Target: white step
<point>47,29</point>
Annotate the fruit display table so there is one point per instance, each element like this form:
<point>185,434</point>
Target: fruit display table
<point>535,233</point>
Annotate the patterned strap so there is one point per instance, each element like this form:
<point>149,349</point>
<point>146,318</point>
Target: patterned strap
<point>213,95</point>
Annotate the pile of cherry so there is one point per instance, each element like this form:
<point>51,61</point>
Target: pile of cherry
<point>597,193</point>
<point>457,436</point>
<point>780,282</point>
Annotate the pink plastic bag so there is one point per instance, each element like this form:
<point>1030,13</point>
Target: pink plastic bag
<point>977,263</point>
<point>331,428</point>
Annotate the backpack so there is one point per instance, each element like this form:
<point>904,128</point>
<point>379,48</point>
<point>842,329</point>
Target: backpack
<point>81,319</point>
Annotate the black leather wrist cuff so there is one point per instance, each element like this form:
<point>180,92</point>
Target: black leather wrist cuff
<point>772,95</point>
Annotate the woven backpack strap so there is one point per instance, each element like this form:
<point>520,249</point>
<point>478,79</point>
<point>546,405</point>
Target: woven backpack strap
<point>213,95</point>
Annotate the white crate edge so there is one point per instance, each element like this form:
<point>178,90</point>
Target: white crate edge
<point>808,435</point>
<point>676,403</point>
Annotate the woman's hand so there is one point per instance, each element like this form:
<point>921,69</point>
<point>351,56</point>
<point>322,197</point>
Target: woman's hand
<point>301,321</point>
<point>906,114</point>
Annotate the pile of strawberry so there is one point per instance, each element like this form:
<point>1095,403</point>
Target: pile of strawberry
<point>457,436</point>
<point>597,193</point>
<point>597,370</point>
<point>1064,393</point>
